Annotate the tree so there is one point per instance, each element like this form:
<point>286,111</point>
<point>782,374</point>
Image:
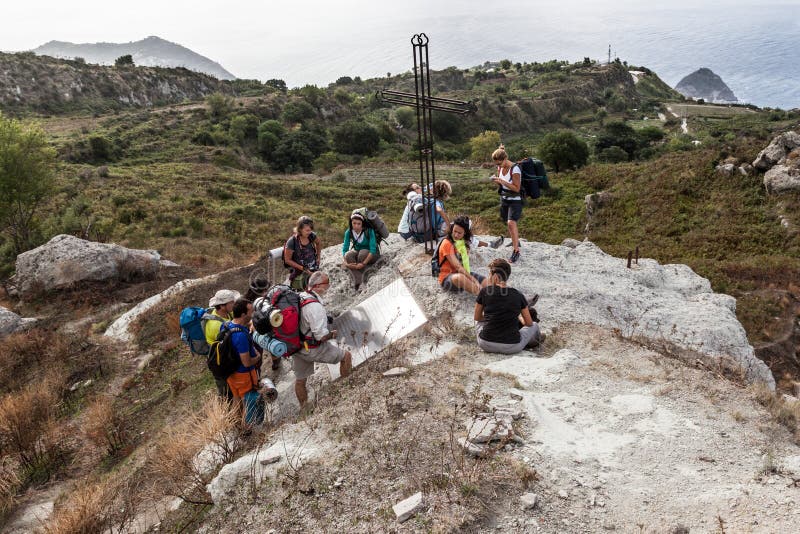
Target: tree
<point>356,137</point>
<point>406,116</point>
<point>612,154</point>
<point>297,151</point>
<point>26,176</point>
<point>482,145</point>
<point>243,127</point>
<point>124,61</point>
<point>270,134</point>
<point>297,111</point>
<point>275,83</point>
<point>563,150</point>
<point>619,134</point>
<point>505,64</point>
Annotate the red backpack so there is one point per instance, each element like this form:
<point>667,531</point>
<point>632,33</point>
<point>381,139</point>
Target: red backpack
<point>278,314</point>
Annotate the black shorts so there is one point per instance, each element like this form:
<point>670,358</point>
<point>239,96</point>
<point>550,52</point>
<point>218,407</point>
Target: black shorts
<point>510,210</point>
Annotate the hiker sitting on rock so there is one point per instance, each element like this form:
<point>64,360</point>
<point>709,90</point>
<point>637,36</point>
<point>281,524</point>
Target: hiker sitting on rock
<point>441,192</point>
<point>244,381</point>
<point>504,321</point>
<point>317,346</point>
<point>411,192</point>
<point>222,302</point>
<point>453,257</point>
<point>360,248</point>
<point>301,253</point>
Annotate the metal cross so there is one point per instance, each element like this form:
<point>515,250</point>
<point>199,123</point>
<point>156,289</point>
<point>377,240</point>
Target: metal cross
<point>425,103</point>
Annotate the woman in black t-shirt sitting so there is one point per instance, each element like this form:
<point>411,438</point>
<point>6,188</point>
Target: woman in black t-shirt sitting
<point>504,320</point>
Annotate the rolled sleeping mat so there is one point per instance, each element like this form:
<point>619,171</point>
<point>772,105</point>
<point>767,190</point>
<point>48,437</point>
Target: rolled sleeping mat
<point>378,224</point>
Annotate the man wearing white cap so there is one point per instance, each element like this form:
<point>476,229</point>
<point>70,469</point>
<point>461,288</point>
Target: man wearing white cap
<point>222,302</point>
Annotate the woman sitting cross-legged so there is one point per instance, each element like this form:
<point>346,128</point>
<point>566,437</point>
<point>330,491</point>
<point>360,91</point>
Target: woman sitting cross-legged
<point>360,248</point>
<point>453,250</point>
<point>504,319</point>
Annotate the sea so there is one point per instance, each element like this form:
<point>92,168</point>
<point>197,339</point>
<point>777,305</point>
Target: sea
<point>753,46</point>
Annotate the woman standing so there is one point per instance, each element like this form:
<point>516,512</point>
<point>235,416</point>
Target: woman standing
<point>360,248</point>
<point>509,178</point>
<point>301,253</point>
<point>504,322</point>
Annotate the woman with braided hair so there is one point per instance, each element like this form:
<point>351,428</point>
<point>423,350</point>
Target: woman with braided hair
<point>503,315</point>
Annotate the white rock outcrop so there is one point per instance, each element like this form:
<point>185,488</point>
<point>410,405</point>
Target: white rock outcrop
<point>782,178</point>
<point>777,150</point>
<point>10,322</point>
<point>66,260</point>
<point>668,307</point>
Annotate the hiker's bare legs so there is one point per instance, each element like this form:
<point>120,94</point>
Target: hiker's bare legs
<point>465,282</point>
<point>301,392</point>
<point>512,229</point>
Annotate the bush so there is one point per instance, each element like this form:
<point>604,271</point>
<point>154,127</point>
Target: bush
<point>297,151</point>
<point>270,134</point>
<point>482,145</point>
<point>297,111</point>
<point>326,162</point>
<point>102,149</point>
<point>406,117</point>
<point>219,106</point>
<point>124,61</point>
<point>621,135</point>
<point>276,83</point>
<point>244,127</point>
<point>612,154</point>
<point>505,64</point>
<point>104,426</point>
<point>343,96</point>
<point>356,137</point>
<point>563,150</point>
<point>446,125</point>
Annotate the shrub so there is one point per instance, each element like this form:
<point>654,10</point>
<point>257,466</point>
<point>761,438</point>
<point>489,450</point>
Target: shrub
<point>343,96</point>
<point>297,111</point>
<point>278,84</point>
<point>612,154</point>
<point>219,106</point>
<point>102,171</point>
<point>93,506</point>
<point>563,150</point>
<point>102,149</point>
<point>244,127</point>
<point>104,426</point>
<point>446,125</point>
<point>482,145</point>
<point>356,137</point>
<point>124,61</point>
<point>405,116</point>
<point>297,151</point>
<point>9,484</point>
<point>619,134</point>
<point>505,64</point>
<point>326,162</point>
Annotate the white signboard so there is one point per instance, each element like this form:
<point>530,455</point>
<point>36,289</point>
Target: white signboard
<point>388,315</point>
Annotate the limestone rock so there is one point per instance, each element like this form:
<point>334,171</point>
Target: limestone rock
<point>395,371</point>
<point>472,449</point>
<point>408,508</point>
<point>10,322</point>
<point>484,428</point>
<point>726,169</point>
<point>66,260</point>
<point>781,178</point>
<point>777,150</point>
<point>595,201</point>
<point>528,501</point>
<point>746,169</point>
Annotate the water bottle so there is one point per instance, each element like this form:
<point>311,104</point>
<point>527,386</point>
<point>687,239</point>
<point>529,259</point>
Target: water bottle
<point>268,389</point>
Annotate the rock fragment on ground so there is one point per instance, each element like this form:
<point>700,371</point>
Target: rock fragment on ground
<point>528,501</point>
<point>408,508</point>
<point>10,322</point>
<point>395,371</point>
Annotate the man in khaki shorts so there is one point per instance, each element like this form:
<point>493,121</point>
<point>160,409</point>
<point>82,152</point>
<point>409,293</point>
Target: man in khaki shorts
<point>314,327</point>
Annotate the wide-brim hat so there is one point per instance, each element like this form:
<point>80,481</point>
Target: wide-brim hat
<point>224,296</point>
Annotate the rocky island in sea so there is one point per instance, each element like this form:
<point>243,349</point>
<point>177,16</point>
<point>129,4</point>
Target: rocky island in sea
<point>703,83</point>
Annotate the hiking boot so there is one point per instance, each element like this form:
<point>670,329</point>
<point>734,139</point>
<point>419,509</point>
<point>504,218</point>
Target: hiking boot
<point>535,343</point>
<point>497,243</point>
<point>514,257</point>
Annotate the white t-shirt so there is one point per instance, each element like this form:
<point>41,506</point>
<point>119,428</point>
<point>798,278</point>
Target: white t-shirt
<point>508,179</point>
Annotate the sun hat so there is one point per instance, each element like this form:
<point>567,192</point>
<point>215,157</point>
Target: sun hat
<point>224,296</point>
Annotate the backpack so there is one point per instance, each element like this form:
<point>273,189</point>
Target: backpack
<point>222,359</point>
<point>373,220</point>
<point>534,177</point>
<point>284,325</point>
<point>436,265</point>
<point>417,225</point>
<point>193,325</point>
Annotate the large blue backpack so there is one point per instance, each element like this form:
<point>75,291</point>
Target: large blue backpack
<point>534,177</point>
<point>419,227</point>
<point>193,321</point>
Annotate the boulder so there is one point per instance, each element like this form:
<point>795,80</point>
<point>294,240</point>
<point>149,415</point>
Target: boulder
<point>595,201</point>
<point>782,178</point>
<point>777,150</point>
<point>726,169</point>
<point>67,260</point>
<point>10,322</point>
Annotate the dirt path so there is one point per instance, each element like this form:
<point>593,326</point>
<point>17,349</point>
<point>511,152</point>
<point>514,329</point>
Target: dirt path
<point>626,439</point>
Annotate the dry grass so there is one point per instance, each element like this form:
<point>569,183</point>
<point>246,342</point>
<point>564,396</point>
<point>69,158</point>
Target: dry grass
<point>9,484</point>
<point>173,469</point>
<point>93,506</point>
<point>28,431</point>
<point>787,413</point>
<point>104,425</point>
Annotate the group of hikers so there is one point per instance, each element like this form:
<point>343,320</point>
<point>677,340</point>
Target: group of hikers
<point>278,321</point>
